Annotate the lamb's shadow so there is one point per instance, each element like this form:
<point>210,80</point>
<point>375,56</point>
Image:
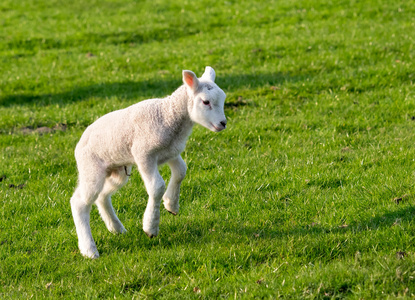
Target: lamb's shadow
<point>386,220</point>
<point>150,88</point>
<point>199,233</point>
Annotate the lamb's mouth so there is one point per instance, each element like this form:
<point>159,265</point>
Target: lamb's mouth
<point>217,129</point>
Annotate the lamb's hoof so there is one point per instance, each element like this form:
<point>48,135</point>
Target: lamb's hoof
<point>95,256</point>
<point>118,230</point>
<point>149,235</point>
<point>171,207</point>
<point>151,231</point>
<point>90,254</point>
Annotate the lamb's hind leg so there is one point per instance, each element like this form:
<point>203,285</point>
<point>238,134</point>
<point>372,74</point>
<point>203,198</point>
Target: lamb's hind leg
<point>81,202</point>
<point>116,179</point>
<point>171,197</point>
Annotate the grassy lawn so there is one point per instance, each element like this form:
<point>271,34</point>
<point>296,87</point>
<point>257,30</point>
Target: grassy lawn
<point>309,193</point>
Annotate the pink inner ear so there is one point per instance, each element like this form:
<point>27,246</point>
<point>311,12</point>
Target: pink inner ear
<point>189,79</point>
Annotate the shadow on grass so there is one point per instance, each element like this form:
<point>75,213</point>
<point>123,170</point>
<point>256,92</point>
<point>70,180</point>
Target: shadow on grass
<point>131,38</point>
<point>126,90</point>
<point>386,220</point>
<point>324,242</point>
<point>152,88</point>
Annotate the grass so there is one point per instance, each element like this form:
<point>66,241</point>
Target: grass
<point>309,193</point>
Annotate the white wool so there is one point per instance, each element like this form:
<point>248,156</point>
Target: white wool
<point>148,134</point>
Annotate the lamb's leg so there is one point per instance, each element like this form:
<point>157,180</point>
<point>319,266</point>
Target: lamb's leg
<point>81,202</point>
<point>115,181</point>
<point>171,197</point>
<point>155,187</point>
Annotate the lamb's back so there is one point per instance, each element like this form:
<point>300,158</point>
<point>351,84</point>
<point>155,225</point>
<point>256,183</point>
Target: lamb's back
<point>148,126</point>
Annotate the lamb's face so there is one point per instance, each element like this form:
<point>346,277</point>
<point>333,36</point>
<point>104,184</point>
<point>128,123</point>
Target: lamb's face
<point>208,107</point>
<point>208,100</point>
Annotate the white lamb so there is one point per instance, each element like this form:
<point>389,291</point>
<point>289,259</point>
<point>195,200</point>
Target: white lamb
<point>149,133</point>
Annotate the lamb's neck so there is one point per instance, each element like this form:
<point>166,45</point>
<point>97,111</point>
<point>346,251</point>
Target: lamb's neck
<point>177,107</point>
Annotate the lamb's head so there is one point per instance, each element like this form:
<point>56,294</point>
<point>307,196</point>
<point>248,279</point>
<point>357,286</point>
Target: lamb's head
<point>206,100</point>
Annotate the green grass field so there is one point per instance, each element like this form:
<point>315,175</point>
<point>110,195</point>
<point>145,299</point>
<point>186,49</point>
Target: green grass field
<point>308,194</point>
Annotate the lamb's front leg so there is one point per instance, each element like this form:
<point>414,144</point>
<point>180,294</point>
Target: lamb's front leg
<point>171,197</point>
<point>155,187</point>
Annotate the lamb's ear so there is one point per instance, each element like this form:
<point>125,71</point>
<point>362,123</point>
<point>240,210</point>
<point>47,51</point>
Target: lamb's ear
<point>209,74</point>
<point>190,79</point>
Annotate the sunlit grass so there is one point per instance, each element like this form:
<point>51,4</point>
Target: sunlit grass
<point>308,193</point>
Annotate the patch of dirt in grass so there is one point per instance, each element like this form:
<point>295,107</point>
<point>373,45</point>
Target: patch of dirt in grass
<point>234,104</point>
<point>20,186</point>
<point>398,200</point>
<point>401,254</point>
<point>313,224</point>
<point>43,130</point>
<point>327,183</point>
<point>132,286</point>
<point>12,186</point>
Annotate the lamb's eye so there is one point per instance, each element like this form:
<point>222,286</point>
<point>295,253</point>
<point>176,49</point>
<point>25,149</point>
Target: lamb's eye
<point>206,102</point>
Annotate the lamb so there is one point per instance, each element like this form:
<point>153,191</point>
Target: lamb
<point>148,134</point>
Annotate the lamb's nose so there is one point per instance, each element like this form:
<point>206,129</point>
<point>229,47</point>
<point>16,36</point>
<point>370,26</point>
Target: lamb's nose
<point>223,123</point>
